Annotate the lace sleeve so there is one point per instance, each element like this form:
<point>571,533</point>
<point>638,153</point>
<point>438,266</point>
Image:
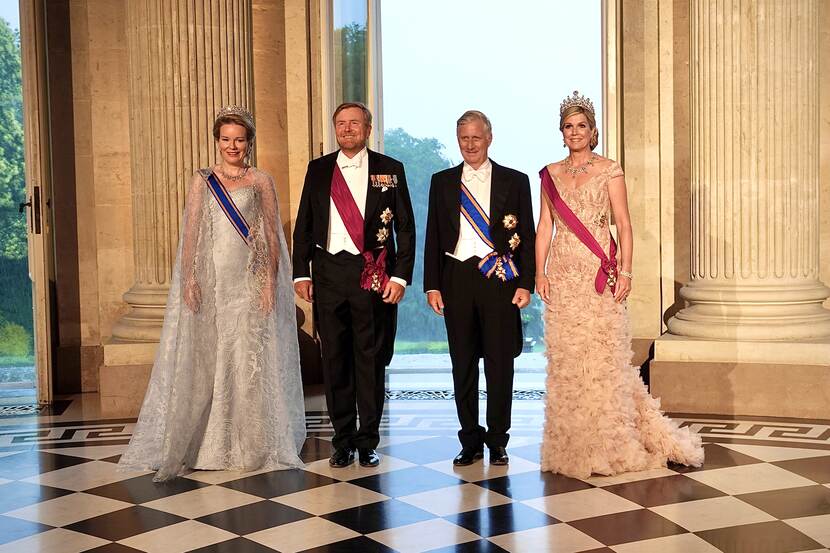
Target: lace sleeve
<point>270,224</point>
<point>190,227</point>
<point>615,170</point>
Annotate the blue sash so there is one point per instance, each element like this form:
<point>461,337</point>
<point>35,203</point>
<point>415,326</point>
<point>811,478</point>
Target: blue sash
<point>493,263</point>
<point>225,202</point>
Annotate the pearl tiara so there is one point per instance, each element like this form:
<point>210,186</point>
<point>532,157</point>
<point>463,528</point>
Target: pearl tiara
<point>576,100</point>
<point>246,115</point>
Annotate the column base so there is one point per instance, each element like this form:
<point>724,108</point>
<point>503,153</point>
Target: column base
<point>782,379</point>
<point>124,376</point>
<point>146,316</point>
<point>787,311</point>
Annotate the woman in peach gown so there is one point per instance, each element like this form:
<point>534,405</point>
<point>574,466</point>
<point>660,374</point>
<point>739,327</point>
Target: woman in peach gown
<point>599,416</point>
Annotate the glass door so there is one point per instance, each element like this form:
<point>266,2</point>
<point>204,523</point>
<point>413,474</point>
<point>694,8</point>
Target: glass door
<point>26,255</point>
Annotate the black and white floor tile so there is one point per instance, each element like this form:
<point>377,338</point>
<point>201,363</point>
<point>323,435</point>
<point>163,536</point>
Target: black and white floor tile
<point>765,488</point>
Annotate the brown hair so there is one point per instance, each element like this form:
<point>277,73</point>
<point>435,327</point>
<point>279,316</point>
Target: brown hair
<point>589,115</point>
<point>367,115</point>
<point>233,119</point>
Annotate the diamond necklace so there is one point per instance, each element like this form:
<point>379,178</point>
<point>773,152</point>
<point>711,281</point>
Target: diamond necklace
<point>236,177</point>
<point>583,168</point>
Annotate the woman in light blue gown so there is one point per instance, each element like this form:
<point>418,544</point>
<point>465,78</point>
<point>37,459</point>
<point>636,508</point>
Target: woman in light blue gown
<point>226,391</point>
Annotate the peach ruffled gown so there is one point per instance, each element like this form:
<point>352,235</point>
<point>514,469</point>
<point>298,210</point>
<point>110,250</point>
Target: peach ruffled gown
<point>599,416</point>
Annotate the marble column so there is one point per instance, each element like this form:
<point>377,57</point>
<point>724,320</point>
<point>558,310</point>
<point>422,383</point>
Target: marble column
<point>188,58</point>
<point>755,174</point>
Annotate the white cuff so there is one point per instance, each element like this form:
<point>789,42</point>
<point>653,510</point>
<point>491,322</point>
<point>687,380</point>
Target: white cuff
<point>397,280</point>
<point>300,279</point>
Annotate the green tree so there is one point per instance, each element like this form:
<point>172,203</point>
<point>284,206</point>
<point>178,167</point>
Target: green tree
<point>12,184</point>
<point>351,62</point>
<point>421,158</point>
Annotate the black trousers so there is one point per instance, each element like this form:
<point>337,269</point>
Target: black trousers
<point>481,322</point>
<point>353,325</point>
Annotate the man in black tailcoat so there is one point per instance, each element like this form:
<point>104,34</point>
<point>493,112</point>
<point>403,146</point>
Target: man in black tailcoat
<point>479,270</point>
<point>353,256</point>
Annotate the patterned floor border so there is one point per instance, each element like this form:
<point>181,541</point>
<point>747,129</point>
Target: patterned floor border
<point>415,395</point>
<point>406,419</point>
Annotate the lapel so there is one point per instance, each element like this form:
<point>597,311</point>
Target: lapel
<point>327,172</point>
<point>499,187</point>
<point>372,193</point>
<point>453,198</point>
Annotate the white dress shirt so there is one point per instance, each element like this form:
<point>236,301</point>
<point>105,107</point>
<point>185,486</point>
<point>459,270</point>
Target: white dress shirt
<point>355,172</point>
<point>478,183</point>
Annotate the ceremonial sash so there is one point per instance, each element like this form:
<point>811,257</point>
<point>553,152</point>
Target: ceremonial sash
<point>234,215</point>
<point>607,272</point>
<point>374,275</point>
<point>493,263</point>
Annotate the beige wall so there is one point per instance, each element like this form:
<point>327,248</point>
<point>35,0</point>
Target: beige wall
<point>824,129</point>
<point>95,264</point>
<point>655,154</point>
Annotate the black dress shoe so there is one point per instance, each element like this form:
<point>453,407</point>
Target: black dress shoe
<point>368,457</point>
<point>468,457</point>
<point>342,457</point>
<point>498,456</point>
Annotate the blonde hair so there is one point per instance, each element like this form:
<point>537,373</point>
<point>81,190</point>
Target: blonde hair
<point>589,115</point>
<point>234,119</point>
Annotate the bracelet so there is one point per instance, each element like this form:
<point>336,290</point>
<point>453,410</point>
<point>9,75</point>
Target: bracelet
<point>626,274</point>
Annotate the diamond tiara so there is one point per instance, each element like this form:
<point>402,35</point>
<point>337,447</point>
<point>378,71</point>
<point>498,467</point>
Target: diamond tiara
<point>576,100</point>
<point>246,115</point>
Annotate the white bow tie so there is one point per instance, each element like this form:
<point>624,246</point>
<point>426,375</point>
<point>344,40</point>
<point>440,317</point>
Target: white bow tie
<point>352,165</point>
<point>480,175</point>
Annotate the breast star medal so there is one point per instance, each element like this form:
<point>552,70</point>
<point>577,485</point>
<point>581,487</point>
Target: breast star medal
<point>514,241</point>
<point>386,216</point>
<point>510,221</point>
<point>382,235</point>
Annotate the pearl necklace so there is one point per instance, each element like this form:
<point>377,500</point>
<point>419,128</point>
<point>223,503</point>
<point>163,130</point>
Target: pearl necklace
<point>583,168</point>
<point>238,176</point>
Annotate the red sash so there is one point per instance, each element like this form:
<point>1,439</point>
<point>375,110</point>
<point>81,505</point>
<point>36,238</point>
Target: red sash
<point>374,275</point>
<point>607,272</point>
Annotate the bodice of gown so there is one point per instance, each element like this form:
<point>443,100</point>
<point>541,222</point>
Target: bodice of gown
<point>231,254</point>
<point>590,203</point>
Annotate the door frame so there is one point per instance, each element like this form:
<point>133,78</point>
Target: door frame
<point>37,154</point>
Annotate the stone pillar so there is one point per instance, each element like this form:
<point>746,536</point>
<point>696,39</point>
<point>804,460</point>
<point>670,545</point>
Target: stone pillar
<point>187,60</point>
<point>755,174</point>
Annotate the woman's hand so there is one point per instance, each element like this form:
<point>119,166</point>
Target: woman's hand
<point>192,295</point>
<point>543,288</point>
<point>623,288</point>
<point>266,298</point>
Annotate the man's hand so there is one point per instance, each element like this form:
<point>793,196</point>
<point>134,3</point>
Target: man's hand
<point>436,302</point>
<point>521,298</point>
<point>393,293</point>
<point>305,290</point>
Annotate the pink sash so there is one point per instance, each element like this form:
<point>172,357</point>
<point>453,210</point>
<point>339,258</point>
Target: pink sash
<point>374,275</point>
<point>607,272</point>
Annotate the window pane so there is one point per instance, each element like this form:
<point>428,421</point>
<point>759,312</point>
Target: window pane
<point>516,63</point>
<point>350,64</point>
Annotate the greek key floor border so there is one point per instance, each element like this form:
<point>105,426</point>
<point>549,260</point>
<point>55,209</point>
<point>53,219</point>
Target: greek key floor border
<point>429,418</point>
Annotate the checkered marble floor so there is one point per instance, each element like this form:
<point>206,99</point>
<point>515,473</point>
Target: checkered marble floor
<point>765,487</point>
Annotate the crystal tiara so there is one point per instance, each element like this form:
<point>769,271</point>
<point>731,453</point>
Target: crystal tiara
<point>576,100</point>
<point>239,111</point>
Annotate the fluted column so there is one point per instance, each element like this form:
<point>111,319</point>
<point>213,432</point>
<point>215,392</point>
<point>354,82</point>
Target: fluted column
<point>188,58</point>
<point>755,179</point>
